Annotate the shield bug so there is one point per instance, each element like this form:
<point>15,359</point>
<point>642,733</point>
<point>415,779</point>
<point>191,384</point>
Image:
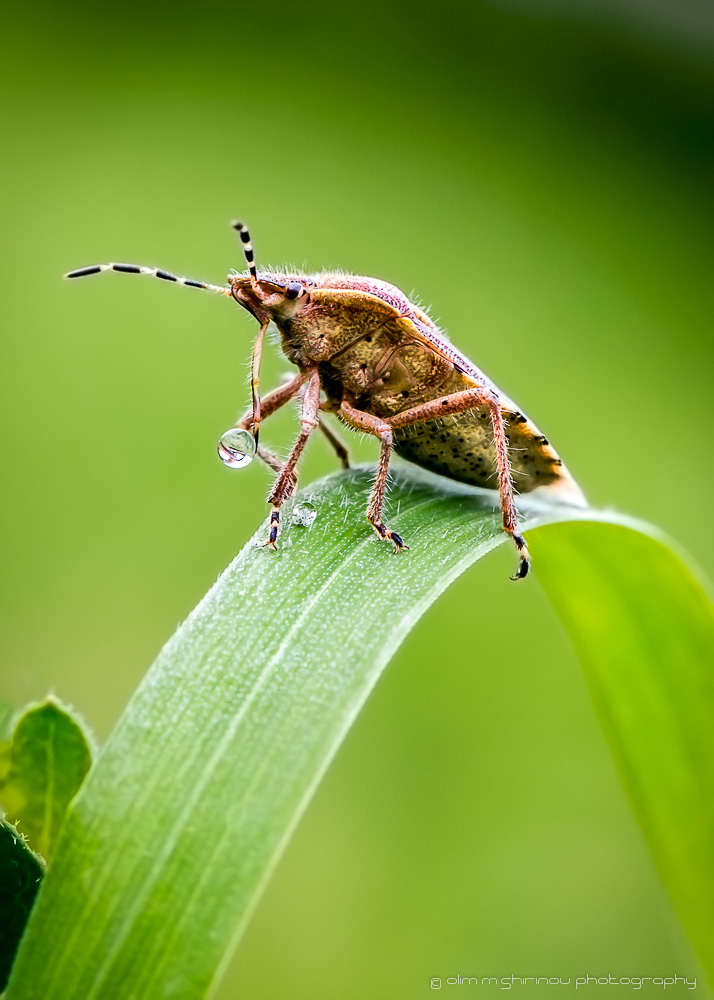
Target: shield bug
<point>368,354</point>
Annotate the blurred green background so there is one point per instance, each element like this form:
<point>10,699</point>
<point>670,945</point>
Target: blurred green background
<point>541,175</point>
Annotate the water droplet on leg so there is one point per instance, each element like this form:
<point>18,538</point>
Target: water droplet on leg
<point>236,448</point>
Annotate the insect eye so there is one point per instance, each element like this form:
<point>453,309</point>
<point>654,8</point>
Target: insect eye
<point>293,290</point>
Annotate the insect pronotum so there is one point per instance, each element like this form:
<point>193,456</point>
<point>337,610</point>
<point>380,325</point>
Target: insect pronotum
<point>365,352</point>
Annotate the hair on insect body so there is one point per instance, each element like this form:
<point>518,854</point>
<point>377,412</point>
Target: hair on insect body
<point>369,355</point>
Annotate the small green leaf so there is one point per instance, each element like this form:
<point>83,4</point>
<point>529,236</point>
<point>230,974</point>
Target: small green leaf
<point>168,846</point>
<point>21,872</point>
<point>41,770</point>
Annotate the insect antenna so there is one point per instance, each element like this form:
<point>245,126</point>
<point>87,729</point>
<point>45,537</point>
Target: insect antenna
<point>83,272</point>
<point>258,346</point>
<point>248,253</point>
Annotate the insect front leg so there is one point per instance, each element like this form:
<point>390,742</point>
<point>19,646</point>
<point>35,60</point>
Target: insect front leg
<point>287,480</point>
<point>467,400</point>
<point>362,421</point>
<point>267,405</point>
<point>254,379</point>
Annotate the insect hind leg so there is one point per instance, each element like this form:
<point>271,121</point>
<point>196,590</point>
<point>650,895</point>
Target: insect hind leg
<point>467,399</point>
<point>509,514</point>
<point>376,500</point>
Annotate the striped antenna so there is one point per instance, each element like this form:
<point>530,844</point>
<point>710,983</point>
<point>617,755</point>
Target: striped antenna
<point>248,252</point>
<point>258,346</point>
<point>83,272</point>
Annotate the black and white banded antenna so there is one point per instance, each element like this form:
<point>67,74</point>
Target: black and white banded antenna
<point>258,345</point>
<point>83,272</point>
<point>248,253</point>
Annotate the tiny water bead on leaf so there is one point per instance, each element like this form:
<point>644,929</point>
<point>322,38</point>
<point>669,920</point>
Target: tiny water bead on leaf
<point>236,448</point>
<point>304,514</point>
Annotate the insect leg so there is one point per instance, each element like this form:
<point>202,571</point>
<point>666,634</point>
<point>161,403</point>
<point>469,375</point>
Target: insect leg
<point>267,405</point>
<point>286,481</point>
<point>466,400</point>
<point>367,422</point>
<point>509,514</point>
<point>339,447</point>
<point>254,379</point>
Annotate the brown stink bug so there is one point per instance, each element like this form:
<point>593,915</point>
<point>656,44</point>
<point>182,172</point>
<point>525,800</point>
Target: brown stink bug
<point>366,353</point>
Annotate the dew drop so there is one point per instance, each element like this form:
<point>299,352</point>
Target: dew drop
<point>236,448</point>
<point>304,514</point>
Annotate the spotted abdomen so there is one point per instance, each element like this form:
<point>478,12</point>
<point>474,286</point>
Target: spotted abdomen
<point>461,447</point>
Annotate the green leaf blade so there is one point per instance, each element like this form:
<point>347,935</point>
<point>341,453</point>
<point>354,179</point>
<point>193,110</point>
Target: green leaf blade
<point>165,851</point>
<point>644,630</point>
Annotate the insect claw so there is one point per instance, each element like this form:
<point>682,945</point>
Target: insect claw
<point>399,543</point>
<point>274,528</point>
<point>522,571</point>
<point>525,563</point>
<point>386,533</point>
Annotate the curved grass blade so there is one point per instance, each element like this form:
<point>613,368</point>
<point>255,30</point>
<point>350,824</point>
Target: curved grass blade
<point>643,627</point>
<point>165,851</point>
